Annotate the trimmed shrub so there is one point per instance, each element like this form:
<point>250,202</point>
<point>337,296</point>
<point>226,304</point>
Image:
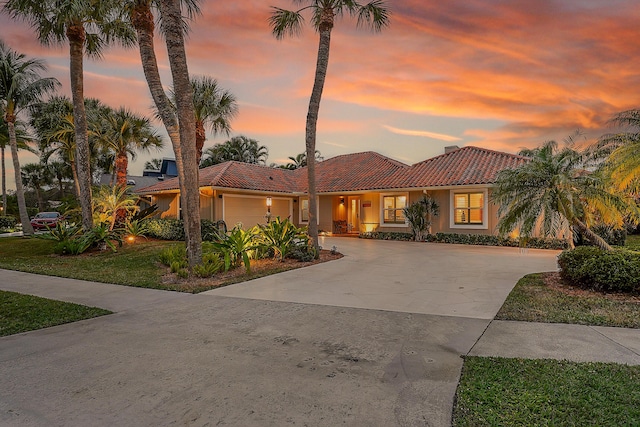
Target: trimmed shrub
<point>173,229</point>
<point>7,222</point>
<point>471,239</point>
<point>606,271</point>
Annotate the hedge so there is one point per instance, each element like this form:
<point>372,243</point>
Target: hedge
<point>606,271</point>
<point>173,229</point>
<point>7,222</point>
<point>470,239</point>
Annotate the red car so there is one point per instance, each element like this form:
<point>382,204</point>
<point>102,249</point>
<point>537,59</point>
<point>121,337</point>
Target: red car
<point>45,220</point>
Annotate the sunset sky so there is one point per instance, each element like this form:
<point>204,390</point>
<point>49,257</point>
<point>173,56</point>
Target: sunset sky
<point>496,74</point>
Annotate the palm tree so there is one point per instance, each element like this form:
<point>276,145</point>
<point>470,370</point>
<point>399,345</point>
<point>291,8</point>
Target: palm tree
<point>61,172</point>
<point>20,86</point>
<point>110,201</point>
<point>300,160</point>
<point>286,22</point>
<point>122,134</point>
<point>22,139</point>
<point>553,193</point>
<point>214,107</point>
<point>622,151</point>
<point>240,149</point>
<point>189,182</point>
<point>153,164</point>
<point>88,26</point>
<point>35,176</point>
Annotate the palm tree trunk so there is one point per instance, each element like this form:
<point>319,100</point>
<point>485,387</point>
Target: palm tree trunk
<point>27,229</point>
<point>312,118</point>
<point>142,20</point>
<point>4,184</point>
<point>122,163</point>
<point>201,137</point>
<point>189,188</point>
<point>593,237</point>
<point>76,181</point>
<point>76,36</point>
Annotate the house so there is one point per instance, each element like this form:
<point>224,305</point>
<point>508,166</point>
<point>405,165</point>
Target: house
<point>359,192</point>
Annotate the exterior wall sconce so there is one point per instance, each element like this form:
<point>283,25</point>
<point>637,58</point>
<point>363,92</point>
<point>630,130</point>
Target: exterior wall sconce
<point>342,200</point>
<point>268,215</point>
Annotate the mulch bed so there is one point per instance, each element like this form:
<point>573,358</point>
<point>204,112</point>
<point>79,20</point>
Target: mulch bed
<point>259,268</point>
<point>555,282</point>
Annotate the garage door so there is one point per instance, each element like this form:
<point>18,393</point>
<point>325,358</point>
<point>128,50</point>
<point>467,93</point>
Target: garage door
<point>250,211</point>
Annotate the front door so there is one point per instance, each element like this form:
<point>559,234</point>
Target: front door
<point>353,220</point>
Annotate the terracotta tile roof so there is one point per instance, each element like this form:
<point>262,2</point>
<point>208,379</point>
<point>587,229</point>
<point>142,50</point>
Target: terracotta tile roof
<point>463,166</point>
<point>358,172</point>
<point>353,172</point>
<point>236,175</point>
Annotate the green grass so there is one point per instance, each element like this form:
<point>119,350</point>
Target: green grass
<point>132,265</point>
<point>22,313</point>
<point>533,301</point>
<point>517,392</point>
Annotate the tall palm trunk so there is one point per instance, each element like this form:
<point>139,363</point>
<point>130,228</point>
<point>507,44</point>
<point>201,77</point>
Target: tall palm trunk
<point>142,20</point>
<point>189,188</point>
<point>312,118</point>
<point>201,137</point>
<point>76,181</point>
<point>76,36</point>
<point>22,206</point>
<point>4,184</point>
<point>593,237</point>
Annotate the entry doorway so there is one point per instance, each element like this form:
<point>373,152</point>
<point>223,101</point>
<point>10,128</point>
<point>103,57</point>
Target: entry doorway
<point>353,214</point>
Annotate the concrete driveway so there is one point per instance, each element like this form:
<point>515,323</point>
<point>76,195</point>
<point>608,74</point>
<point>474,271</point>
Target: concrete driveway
<point>199,360</point>
<point>428,278</point>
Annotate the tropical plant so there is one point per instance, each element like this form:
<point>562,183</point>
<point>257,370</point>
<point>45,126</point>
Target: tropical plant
<point>88,26</point>
<point>135,228</point>
<point>236,247</point>
<point>108,201</point>
<point>239,149</point>
<point>622,151</point>
<point>22,141</point>
<point>552,192</point>
<point>172,25</point>
<point>418,214</point>
<point>102,236</point>
<point>286,22</point>
<point>35,176</point>
<point>281,237</point>
<point>122,134</point>
<point>153,164</point>
<point>62,232</point>
<point>214,107</point>
<point>300,160</point>
<point>211,264</point>
<point>20,86</point>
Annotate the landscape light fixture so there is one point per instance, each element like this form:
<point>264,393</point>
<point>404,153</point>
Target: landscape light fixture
<point>268,215</point>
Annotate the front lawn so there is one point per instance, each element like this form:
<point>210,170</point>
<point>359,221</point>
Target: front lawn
<point>542,297</point>
<point>22,313</point>
<point>517,392</point>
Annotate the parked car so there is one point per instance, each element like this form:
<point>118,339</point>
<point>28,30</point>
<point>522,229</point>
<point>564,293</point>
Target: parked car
<point>45,220</point>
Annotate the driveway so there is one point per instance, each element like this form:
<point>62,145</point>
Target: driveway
<point>274,359</point>
<point>428,278</point>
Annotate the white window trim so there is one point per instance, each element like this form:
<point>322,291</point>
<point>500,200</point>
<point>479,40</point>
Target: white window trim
<point>385,224</point>
<point>225,195</point>
<point>300,199</point>
<point>485,209</point>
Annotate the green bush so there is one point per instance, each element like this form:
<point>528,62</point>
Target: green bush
<point>7,222</point>
<point>173,229</point>
<point>212,263</point>
<point>173,253</point>
<point>281,237</point>
<point>607,271</point>
<point>470,239</point>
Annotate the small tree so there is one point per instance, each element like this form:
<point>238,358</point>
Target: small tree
<point>419,214</point>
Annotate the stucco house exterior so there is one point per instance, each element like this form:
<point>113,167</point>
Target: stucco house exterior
<point>357,193</point>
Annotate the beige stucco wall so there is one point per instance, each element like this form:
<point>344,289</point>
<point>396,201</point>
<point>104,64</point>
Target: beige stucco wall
<point>167,205</point>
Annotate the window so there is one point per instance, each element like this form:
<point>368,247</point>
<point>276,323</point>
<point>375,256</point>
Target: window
<point>468,208</point>
<point>304,210</point>
<point>392,209</point>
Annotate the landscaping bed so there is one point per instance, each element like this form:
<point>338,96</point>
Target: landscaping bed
<point>259,268</point>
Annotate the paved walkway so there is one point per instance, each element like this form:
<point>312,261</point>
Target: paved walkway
<point>166,358</point>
